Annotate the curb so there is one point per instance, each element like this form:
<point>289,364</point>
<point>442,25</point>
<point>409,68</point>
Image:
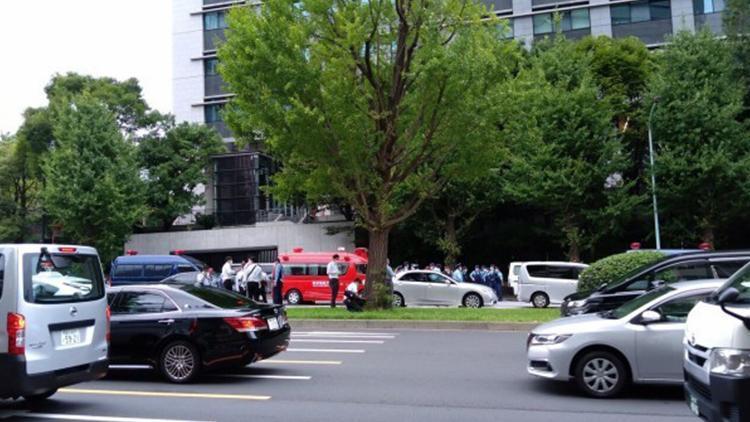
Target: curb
<point>520,327</point>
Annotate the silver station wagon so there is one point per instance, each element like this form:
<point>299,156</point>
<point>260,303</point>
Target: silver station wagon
<point>641,342</point>
<point>423,287</point>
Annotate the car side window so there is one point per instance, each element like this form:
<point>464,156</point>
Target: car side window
<point>182,268</point>
<point>414,277</point>
<point>142,303</point>
<point>128,270</point>
<point>683,272</point>
<point>725,269</point>
<point>677,310</point>
<point>157,270</point>
<point>436,278</point>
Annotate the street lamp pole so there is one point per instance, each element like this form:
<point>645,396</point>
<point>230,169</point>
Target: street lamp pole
<point>653,176</point>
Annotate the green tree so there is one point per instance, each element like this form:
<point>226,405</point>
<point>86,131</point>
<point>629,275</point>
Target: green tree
<point>737,27</point>
<point>703,159</point>
<point>93,188</point>
<point>570,159</point>
<point>176,159</point>
<point>377,102</point>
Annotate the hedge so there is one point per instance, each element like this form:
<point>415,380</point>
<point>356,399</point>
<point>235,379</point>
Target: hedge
<point>613,267</point>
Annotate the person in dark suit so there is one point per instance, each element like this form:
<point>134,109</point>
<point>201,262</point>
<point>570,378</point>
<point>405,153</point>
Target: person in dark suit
<point>278,282</point>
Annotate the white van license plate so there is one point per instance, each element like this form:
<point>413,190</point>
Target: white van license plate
<point>70,337</point>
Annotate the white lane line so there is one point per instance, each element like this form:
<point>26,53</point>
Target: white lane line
<point>97,418</point>
<point>343,336</point>
<point>299,340</point>
<point>265,377</point>
<point>131,367</point>
<point>299,362</point>
<point>161,394</point>
<point>326,350</point>
<point>355,333</point>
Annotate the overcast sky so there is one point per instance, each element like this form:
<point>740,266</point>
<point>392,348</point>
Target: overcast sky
<point>121,39</point>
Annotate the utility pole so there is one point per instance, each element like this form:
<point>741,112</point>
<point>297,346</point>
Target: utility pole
<point>653,175</point>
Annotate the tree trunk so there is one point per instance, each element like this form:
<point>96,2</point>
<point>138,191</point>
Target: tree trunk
<point>574,252</point>
<point>708,235</point>
<point>377,291</point>
<point>450,240</point>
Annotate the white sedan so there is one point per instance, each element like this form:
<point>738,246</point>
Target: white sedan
<point>422,287</point>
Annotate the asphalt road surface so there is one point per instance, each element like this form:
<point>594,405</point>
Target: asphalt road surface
<point>360,376</point>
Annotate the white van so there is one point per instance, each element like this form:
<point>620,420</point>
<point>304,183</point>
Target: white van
<point>717,353</point>
<point>545,283</point>
<point>513,270</point>
<point>54,321</point>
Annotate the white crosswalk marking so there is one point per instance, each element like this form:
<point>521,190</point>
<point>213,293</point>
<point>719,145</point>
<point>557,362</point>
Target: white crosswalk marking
<point>302,340</point>
<point>266,377</point>
<point>65,417</point>
<point>326,350</point>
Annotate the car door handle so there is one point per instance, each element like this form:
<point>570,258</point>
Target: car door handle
<point>166,321</point>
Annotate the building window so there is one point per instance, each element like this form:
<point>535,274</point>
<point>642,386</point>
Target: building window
<point>570,20</point>
<point>641,11</point>
<point>505,30</point>
<point>704,7</point>
<point>213,113</point>
<point>211,66</point>
<point>215,20</point>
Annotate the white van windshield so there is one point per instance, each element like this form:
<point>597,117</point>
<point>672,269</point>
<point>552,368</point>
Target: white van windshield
<point>62,278</point>
<point>741,282</point>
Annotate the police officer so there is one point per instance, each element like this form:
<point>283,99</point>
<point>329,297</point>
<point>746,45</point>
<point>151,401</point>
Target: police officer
<point>278,283</point>
<point>333,278</point>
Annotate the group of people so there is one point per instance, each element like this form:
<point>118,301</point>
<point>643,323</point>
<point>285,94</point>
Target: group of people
<point>249,280</point>
<point>488,275</point>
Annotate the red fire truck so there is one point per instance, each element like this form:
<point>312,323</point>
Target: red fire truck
<point>305,277</point>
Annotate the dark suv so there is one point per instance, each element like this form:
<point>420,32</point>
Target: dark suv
<point>670,269</point>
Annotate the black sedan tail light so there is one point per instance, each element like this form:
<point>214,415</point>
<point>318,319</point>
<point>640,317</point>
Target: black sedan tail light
<point>247,324</point>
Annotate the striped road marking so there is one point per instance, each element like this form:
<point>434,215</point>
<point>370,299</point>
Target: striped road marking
<point>265,377</point>
<point>299,362</point>
<point>342,336</point>
<point>134,393</point>
<point>97,418</point>
<point>299,340</point>
<point>326,350</point>
<point>344,333</point>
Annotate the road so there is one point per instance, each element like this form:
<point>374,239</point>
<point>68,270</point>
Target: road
<point>360,376</point>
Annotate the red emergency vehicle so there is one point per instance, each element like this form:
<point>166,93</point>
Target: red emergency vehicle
<point>306,279</point>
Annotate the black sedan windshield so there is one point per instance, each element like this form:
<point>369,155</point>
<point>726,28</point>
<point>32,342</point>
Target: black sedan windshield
<point>218,297</point>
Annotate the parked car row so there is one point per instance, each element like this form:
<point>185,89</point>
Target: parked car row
<point>63,325</point>
<point>678,321</point>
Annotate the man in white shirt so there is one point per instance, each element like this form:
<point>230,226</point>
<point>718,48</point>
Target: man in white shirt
<point>254,278</point>
<point>333,278</point>
<point>227,273</point>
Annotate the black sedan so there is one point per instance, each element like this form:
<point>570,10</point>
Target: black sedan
<point>183,329</point>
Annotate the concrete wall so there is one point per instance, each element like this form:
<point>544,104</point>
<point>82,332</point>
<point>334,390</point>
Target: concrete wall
<point>682,16</point>
<point>187,81</point>
<point>601,18</point>
<point>282,235</point>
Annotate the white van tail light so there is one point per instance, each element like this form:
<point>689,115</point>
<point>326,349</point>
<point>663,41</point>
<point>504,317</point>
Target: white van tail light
<point>247,324</point>
<point>16,334</point>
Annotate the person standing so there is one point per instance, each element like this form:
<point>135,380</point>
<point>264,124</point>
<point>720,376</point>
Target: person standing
<point>333,278</point>
<point>476,275</point>
<point>278,282</point>
<point>254,277</point>
<point>458,275</point>
<point>227,273</point>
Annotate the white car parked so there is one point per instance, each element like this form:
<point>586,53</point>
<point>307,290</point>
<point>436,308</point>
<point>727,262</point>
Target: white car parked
<point>545,283</point>
<point>422,287</point>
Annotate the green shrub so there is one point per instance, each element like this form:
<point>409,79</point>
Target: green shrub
<point>613,267</point>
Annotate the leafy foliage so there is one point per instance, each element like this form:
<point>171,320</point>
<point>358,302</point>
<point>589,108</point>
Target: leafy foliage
<point>569,158</point>
<point>93,189</point>
<point>614,267</point>
<point>703,150</point>
<point>175,159</point>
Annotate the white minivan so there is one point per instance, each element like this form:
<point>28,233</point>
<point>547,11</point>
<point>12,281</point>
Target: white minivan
<point>543,283</point>
<point>54,321</point>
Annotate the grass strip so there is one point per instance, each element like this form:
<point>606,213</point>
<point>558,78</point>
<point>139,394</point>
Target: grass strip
<point>527,315</point>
